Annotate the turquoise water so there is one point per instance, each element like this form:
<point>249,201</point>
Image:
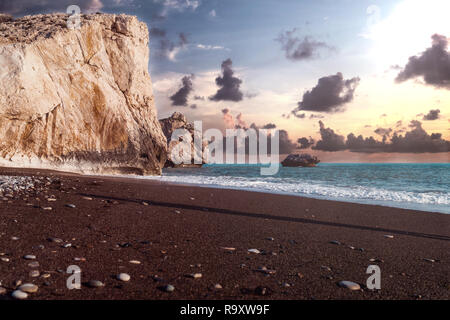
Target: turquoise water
<point>412,186</point>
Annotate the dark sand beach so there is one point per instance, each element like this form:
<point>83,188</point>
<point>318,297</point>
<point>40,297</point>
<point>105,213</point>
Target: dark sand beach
<point>175,231</point>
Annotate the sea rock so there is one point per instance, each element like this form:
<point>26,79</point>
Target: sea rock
<point>19,295</point>
<point>78,99</point>
<point>200,152</point>
<point>300,160</point>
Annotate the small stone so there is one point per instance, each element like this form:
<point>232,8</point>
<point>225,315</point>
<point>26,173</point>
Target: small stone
<point>29,257</point>
<point>46,275</point>
<point>80,259</point>
<point>229,249</point>
<point>335,242</point>
<point>17,283</point>
<point>169,288</point>
<point>19,295</point>
<point>349,285</point>
<point>87,198</point>
<point>124,277</point>
<point>270,239</point>
<point>28,288</point>
<point>67,245</point>
<point>70,205</point>
<point>286,285</point>
<point>55,240</point>
<point>217,286</point>
<point>47,208</point>
<point>263,291</point>
<point>177,211</point>
<point>429,260</point>
<point>34,264</point>
<point>15,238</point>
<point>195,275</point>
<point>389,236</point>
<point>300,275</point>
<point>255,251</point>
<point>144,203</point>
<point>4,259</point>
<point>34,273</point>
<point>2,291</point>
<point>326,268</point>
<point>135,262</point>
<point>95,284</point>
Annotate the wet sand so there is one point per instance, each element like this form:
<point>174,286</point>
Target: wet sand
<point>175,231</point>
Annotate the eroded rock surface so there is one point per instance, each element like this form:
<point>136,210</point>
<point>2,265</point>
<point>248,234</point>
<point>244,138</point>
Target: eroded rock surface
<point>179,121</point>
<point>78,99</point>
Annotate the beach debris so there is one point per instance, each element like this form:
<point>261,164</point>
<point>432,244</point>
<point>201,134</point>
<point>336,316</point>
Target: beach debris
<point>123,277</point>
<point>265,270</point>
<point>34,273</point>
<point>255,251</point>
<point>28,288</point>
<point>349,285</point>
<point>335,242</point>
<point>29,257</point>
<point>95,284</point>
<point>228,248</point>
<point>19,295</point>
<point>263,291</point>
<point>194,275</point>
<point>389,236</point>
<point>168,288</point>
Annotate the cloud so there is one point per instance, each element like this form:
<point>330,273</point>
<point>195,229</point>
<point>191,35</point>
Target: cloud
<point>209,47</point>
<point>180,98</point>
<point>228,118</point>
<point>329,95</point>
<point>28,7</point>
<point>330,141</point>
<point>297,49</point>
<point>168,49</point>
<point>178,5</point>
<point>212,13</point>
<point>305,143</point>
<point>269,126</point>
<point>433,65</point>
<point>417,140</point>
<point>432,115</point>
<point>229,85</point>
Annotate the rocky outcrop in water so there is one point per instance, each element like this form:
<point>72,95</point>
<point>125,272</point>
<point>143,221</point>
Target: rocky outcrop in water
<point>300,160</point>
<point>78,99</point>
<point>179,121</point>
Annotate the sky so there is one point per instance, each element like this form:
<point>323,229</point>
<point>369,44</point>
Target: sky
<point>347,80</point>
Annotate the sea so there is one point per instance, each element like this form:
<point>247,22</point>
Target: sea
<point>423,186</point>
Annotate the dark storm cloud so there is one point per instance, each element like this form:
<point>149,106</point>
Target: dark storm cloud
<point>432,115</point>
<point>168,49</point>
<point>229,84</point>
<point>330,141</point>
<point>329,95</point>
<point>305,143</point>
<point>433,65</point>
<point>269,126</point>
<point>296,48</point>
<point>417,140</point>
<point>180,98</point>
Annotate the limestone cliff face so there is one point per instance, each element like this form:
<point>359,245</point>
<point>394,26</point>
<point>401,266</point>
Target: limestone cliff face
<point>78,99</point>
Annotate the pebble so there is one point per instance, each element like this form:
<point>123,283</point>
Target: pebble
<point>270,239</point>
<point>349,285</point>
<point>229,248</point>
<point>70,205</point>
<point>169,288</point>
<point>335,242</point>
<point>4,259</point>
<point>87,198</point>
<point>256,251</point>
<point>15,238</point>
<point>47,208</point>
<point>124,277</point>
<point>195,275</point>
<point>217,286</point>
<point>67,245</point>
<point>95,284</point>
<point>2,291</point>
<point>29,257</point>
<point>177,211</point>
<point>20,295</point>
<point>429,260</point>
<point>135,262</point>
<point>144,203</point>
<point>34,273</point>
<point>389,236</point>
<point>55,240</point>
<point>46,275</point>
<point>34,264</point>
<point>28,288</point>
<point>265,270</point>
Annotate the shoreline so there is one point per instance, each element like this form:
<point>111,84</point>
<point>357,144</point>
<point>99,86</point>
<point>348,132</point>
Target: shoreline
<point>176,230</point>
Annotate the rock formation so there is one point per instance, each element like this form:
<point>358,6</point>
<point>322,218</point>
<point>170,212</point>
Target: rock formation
<point>78,99</point>
<point>300,160</point>
<point>178,121</point>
